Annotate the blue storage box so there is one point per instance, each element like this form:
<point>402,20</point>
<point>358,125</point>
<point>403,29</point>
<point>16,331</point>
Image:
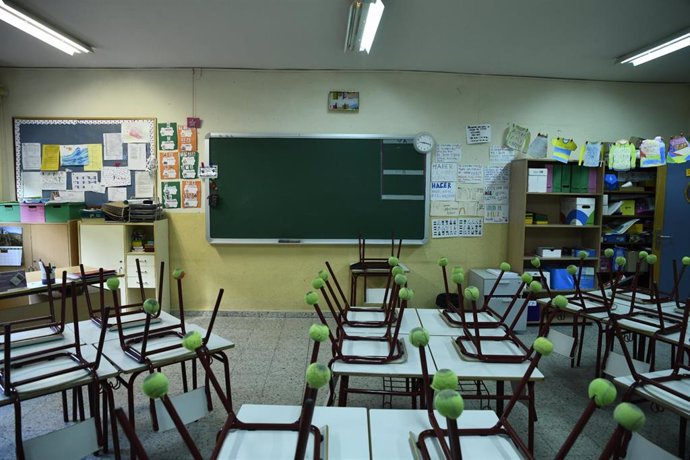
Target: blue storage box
<point>561,280</point>
<point>590,252</point>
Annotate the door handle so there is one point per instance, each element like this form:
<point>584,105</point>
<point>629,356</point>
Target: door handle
<point>664,237</point>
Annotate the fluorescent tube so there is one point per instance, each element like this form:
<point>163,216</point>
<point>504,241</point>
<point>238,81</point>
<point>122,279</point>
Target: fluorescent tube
<point>363,21</point>
<point>665,48</point>
<point>39,30</point>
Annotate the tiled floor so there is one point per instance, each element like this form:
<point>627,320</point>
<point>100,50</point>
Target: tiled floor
<point>268,366</point>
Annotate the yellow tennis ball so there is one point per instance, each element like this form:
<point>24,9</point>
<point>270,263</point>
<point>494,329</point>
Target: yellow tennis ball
<point>323,274</point>
<point>442,262</point>
<point>582,254</point>
<point>602,391</point>
<point>419,337</point>
<point>318,283</point>
<point>629,416</point>
<point>543,346</point>
<point>535,287</point>
<point>393,261</point>
<point>608,252</point>
<point>397,270</point>
<point>444,379</point>
<point>572,269</point>
<point>311,298</point>
<point>686,260</point>
<point>620,261</point>
<point>400,280</point>
<point>192,340</point>
<point>178,274</point>
<point>151,306</point>
<point>471,293</point>
<point>643,255</point>
<point>155,385</point>
<point>449,403</point>
<point>505,266</point>
<point>527,278</point>
<point>318,375</point>
<point>560,301</point>
<point>651,259</point>
<point>318,332</point>
<point>405,294</point>
<point>113,283</point>
<point>458,277</point>
<point>536,262</point>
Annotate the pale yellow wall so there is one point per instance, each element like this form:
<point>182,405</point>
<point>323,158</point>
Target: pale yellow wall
<point>275,278</point>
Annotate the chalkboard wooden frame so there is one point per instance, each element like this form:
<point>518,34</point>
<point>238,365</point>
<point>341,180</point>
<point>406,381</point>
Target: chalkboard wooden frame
<point>73,124</point>
<point>406,139</point>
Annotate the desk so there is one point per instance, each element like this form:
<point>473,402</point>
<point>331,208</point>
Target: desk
<point>445,356</point>
<point>409,368</point>
<point>35,286</point>
<point>390,435</point>
<point>348,433</point>
<point>665,399</point>
<point>128,366</point>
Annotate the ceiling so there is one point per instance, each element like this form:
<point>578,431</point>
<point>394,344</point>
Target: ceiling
<point>579,39</point>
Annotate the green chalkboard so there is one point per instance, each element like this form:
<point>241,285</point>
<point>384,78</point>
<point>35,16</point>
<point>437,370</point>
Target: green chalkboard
<point>328,190</point>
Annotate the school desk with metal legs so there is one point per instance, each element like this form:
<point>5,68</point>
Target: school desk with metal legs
<point>347,435</point>
<point>71,441</point>
<point>408,368</point>
<point>131,369</point>
<point>445,356</point>
<point>390,431</point>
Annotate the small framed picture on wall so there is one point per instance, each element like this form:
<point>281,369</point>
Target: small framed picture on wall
<point>343,101</point>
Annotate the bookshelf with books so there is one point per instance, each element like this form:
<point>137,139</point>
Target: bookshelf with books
<point>555,210</point>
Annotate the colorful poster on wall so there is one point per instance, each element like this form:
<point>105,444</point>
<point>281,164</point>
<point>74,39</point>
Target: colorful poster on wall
<point>169,165</point>
<point>187,139</point>
<point>171,194</point>
<point>167,136</point>
<point>191,193</point>
<point>50,159</point>
<point>136,131</point>
<point>189,165</point>
<point>74,155</point>
<point>95,158</point>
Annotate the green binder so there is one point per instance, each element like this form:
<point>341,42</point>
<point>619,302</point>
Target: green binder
<point>579,179</point>
<point>556,178</point>
<point>565,179</point>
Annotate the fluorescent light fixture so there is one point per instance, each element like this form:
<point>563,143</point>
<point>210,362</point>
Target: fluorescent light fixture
<point>43,32</point>
<point>667,46</point>
<point>362,23</point>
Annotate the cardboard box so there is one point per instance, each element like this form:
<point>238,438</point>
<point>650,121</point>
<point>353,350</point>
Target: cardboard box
<point>578,211</point>
<point>549,252</point>
<point>628,207</point>
<point>536,180</point>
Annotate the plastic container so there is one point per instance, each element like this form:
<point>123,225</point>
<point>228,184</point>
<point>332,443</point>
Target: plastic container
<point>32,213</point>
<point>9,211</point>
<point>62,212</point>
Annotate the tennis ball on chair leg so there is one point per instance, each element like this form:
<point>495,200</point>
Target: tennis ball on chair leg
<point>192,340</point>
<point>442,262</point>
<point>471,293</point>
<point>602,391</point>
<point>318,332</point>
<point>311,298</point>
<point>151,306</point>
<point>505,266</point>
<point>393,261</point>
<point>444,379</point>
<point>686,260</point>
<point>449,403</point>
<point>629,416</point>
<point>419,337</point>
<point>155,385</point>
<point>318,375</point>
<point>113,283</point>
<point>317,283</point>
<point>178,274</point>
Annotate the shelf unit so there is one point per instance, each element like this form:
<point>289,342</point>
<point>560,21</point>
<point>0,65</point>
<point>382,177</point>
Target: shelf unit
<point>651,180</point>
<point>117,254</point>
<point>526,238</point>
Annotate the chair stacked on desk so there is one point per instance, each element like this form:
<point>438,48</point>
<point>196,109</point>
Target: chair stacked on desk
<point>486,335</point>
<point>34,368</point>
<point>234,431</point>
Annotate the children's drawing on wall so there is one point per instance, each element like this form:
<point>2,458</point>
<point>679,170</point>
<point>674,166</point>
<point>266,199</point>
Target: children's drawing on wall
<point>343,101</point>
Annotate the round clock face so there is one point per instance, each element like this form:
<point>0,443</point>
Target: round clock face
<point>424,142</point>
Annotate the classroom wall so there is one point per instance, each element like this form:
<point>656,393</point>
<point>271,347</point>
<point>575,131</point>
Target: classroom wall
<point>276,278</point>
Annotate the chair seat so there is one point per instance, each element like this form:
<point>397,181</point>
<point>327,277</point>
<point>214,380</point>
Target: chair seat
<point>52,384</point>
<point>491,348</point>
<point>274,445</point>
<point>366,316</point>
<point>34,336</point>
<point>483,317</point>
<point>478,447</point>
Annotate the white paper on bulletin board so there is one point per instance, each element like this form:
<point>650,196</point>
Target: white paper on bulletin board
<point>445,208</point>
<point>443,191</point>
<point>470,174</point>
<point>496,213</point>
<point>446,172</point>
<point>478,134</point>
<point>448,153</point>
<point>457,227</point>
